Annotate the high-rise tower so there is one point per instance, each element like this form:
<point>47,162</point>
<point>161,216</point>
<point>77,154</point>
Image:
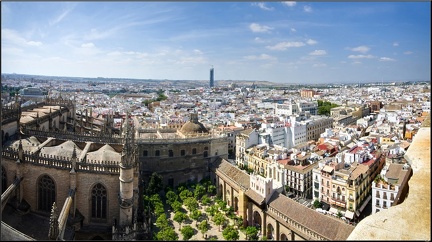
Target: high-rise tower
<point>212,77</point>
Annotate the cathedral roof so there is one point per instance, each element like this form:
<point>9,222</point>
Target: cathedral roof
<point>64,149</point>
<point>105,153</point>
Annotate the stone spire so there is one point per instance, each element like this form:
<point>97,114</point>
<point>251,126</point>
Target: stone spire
<point>54,226</point>
<point>127,158</point>
<point>20,149</point>
<point>74,159</point>
<point>126,178</point>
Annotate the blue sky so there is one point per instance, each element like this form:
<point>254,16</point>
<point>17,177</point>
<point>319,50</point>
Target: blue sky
<point>285,42</point>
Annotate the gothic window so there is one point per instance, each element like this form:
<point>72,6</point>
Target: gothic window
<point>4,179</point>
<point>46,192</point>
<point>99,202</point>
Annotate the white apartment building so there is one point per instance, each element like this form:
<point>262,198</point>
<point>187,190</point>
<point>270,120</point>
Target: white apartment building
<point>391,187</point>
<point>287,109</point>
<point>273,134</point>
<point>244,140</point>
<point>297,133</point>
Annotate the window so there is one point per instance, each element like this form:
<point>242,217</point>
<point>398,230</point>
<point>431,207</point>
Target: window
<point>46,192</point>
<point>99,202</point>
<point>170,153</point>
<point>205,153</point>
<point>145,153</point>
<point>194,151</point>
<point>182,152</point>
<point>157,153</point>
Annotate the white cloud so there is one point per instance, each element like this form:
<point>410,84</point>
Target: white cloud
<point>408,52</point>
<point>262,6</point>
<point>293,30</point>
<point>289,3</point>
<point>318,52</point>
<point>285,45</point>
<point>361,56</point>
<point>259,40</point>
<point>62,15</point>
<point>311,42</point>
<point>386,59</point>
<point>34,43</point>
<point>260,57</point>
<point>319,65</point>
<point>12,37</point>
<point>257,28</point>
<point>307,9</point>
<point>87,45</point>
<point>361,49</point>
<point>196,51</point>
<point>395,44</point>
<point>356,62</point>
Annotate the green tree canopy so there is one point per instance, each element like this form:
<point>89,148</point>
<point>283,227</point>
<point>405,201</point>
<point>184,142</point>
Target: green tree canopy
<point>205,200</point>
<point>317,204</point>
<point>179,217</point>
<point>212,210</point>
<point>171,197</point>
<point>199,191</point>
<point>167,234</point>
<point>196,215</point>
<point>204,227</point>
<point>155,184</point>
<point>191,203</point>
<point>162,221</point>
<point>219,219</point>
<point>187,232</point>
<point>185,194</point>
<point>229,233</point>
<point>176,206</point>
<point>251,233</point>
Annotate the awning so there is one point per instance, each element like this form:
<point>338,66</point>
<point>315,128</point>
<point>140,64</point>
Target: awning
<point>365,203</point>
<point>349,214</point>
<point>333,210</point>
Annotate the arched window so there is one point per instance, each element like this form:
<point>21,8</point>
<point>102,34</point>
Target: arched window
<point>194,150</point>
<point>157,153</point>
<point>99,202</point>
<point>46,192</point>
<point>4,179</point>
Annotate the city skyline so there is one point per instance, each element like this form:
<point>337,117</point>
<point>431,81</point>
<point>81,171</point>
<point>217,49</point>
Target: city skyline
<point>282,42</point>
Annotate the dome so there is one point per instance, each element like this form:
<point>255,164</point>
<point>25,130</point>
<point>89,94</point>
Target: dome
<point>191,127</point>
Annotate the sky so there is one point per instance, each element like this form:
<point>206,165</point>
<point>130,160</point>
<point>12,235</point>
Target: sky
<point>284,42</point>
